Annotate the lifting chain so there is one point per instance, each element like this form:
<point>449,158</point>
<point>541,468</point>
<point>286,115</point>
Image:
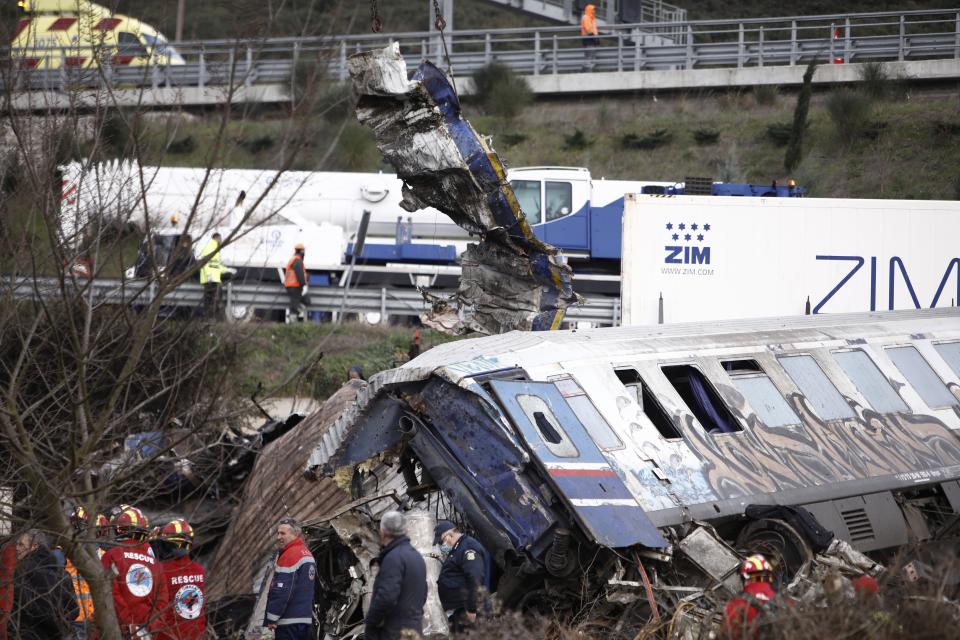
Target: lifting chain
<point>376,25</point>
<point>440,23</point>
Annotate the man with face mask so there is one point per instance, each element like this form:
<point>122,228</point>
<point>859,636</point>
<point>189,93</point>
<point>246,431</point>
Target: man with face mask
<point>462,574</point>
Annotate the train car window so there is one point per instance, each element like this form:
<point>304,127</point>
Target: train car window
<point>950,352</point>
<point>869,381</point>
<point>598,429</point>
<point>641,394</point>
<point>750,379</point>
<point>922,377</point>
<point>702,399</point>
<point>548,427</point>
<point>528,195</point>
<point>827,401</point>
<point>559,197</point>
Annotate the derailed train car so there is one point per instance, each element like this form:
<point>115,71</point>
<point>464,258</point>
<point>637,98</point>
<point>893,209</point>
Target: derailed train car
<point>636,464</point>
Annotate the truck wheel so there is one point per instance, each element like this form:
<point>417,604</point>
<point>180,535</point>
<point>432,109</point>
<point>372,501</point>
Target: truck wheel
<point>780,544</point>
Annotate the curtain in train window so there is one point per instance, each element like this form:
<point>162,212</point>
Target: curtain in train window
<point>870,382</point>
<point>827,401</point>
<point>950,352</point>
<point>921,377</point>
<point>702,399</point>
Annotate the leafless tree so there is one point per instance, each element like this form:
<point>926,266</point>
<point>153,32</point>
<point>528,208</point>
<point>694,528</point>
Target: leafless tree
<point>81,377</point>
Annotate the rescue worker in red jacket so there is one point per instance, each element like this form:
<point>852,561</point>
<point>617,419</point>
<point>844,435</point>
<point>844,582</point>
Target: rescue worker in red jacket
<point>294,280</point>
<point>134,569</point>
<point>757,597</point>
<point>181,592</point>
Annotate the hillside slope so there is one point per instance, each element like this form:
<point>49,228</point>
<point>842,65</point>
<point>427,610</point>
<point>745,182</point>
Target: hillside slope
<point>909,146</point>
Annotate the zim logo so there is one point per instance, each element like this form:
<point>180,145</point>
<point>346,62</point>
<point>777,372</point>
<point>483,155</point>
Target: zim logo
<point>188,602</point>
<point>139,580</point>
<point>686,243</point>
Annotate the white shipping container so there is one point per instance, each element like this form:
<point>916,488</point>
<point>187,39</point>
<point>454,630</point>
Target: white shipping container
<point>716,258</point>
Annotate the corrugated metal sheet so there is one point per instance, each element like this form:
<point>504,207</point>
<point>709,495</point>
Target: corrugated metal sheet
<point>276,488</point>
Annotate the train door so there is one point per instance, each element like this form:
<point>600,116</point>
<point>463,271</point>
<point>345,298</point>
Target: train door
<point>575,466</point>
<point>566,214</point>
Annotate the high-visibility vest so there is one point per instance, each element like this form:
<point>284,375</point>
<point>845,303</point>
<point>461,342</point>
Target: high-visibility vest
<point>290,275</point>
<point>82,590</point>
<point>210,272</point>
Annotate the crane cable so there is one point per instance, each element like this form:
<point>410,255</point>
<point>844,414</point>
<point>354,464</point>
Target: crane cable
<point>440,23</point>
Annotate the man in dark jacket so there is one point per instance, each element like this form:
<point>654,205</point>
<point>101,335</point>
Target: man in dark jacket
<point>400,590</point>
<point>43,601</point>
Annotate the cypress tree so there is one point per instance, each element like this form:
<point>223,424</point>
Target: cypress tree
<point>795,146</point>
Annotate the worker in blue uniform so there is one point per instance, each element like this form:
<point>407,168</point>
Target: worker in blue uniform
<point>463,573</point>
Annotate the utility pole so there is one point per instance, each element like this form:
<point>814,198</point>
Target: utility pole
<point>178,36</point>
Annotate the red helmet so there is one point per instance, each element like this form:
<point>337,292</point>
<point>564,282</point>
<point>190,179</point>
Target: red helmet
<point>130,521</point>
<point>103,525</point>
<point>178,531</point>
<point>756,568</point>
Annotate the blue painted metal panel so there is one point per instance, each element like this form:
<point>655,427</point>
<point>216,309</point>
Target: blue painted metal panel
<point>571,232</point>
<point>606,231</point>
<point>406,252</point>
<point>583,477</point>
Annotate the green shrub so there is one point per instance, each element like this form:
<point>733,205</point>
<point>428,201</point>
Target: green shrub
<point>876,81</point>
<point>956,188</point>
<point>779,133</point>
<point>501,92</point>
<point>851,113</point>
<point>766,94</point>
<point>356,150</point>
<point>657,138</point>
<point>11,172</point>
<point>795,146</point>
<point>120,133</point>
<point>706,136</point>
<point>945,128</point>
<point>183,145</point>
<point>513,139</point>
<point>576,141</point>
<point>258,144</point>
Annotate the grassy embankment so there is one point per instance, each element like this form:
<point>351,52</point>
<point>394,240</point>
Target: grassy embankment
<point>272,353</point>
<point>909,145</point>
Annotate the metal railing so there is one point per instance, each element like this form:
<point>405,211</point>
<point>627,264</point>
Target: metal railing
<point>239,299</point>
<point>609,11</point>
<point>891,36</point>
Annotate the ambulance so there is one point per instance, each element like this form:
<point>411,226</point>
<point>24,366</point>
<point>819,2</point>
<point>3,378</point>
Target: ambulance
<point>80,34</point>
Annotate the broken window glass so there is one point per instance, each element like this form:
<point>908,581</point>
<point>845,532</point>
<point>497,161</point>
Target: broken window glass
<point>559,196</point>
<point>921,377</point>
<point>528,195</point>
<point>869,381</point>
<point>751,380</point>
<point>950,352</point>
<point>702,399</point>
<point>828,403</point>
<point>548,427</point>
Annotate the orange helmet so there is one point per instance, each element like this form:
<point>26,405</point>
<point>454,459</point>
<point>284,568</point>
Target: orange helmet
<point>756,568</point>
<point>178,531</point>
<point>130,521</point>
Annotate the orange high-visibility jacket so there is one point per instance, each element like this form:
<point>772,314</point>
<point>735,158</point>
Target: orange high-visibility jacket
<point>291,278</point>
<point>82,590</point>
<point>588,23</point>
